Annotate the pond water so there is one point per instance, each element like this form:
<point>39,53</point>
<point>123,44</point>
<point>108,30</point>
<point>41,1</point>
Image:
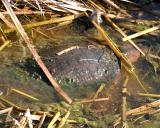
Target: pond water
<point>20,72</point>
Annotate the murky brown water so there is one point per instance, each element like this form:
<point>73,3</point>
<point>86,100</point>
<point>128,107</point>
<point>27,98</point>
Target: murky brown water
<point>14,73</point>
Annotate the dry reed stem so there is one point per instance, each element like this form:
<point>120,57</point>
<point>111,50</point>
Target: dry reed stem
<point>67,50</point>
<point>29,12</point>
<point>143,108</point>
<point>149,95</point>
<point>124,102</point>
<point>24,94</point>
<point>19,108</point>
<point>10,103</point>
<point>7,110</point>
<point>5,43</point>
<point>34,53</point>
<point>110,43</point>
<point>154,112</point>
<point>64,23</point>
<point>97,6</point>
<point>63,120</point>
<point>43,34</point>
<point>42,23</point>
<point>141,33</point>
<point>123,34</point>
<point>139,110</point>
<point>42,120</point>
<point>8,23</point>
<point>132,72</point>
<point>111,3</point>
<point>154,56</point>
<point>150,112</point>
<point>53,121</point>
<point>102,86</point>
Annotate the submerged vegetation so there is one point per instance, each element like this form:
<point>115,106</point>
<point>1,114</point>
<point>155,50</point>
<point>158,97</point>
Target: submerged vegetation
<point>79,63</point>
